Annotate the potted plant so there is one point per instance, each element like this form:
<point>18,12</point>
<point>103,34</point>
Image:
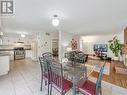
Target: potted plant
<point>116,47</point>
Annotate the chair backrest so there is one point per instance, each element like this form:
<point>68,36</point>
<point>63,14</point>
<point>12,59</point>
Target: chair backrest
<point>48,56</point>
<point>98,83</point>
<point>57,75</point>
<point>44,66</point>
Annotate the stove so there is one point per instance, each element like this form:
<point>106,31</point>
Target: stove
<point>19,53</point>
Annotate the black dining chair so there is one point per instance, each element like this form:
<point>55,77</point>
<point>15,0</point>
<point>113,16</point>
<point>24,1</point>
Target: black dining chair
<point>58,82</point>
<point>87,87</point>
<point>49,57</point>
<point>45,75</point>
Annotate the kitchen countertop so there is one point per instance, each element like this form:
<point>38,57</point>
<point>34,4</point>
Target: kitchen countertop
<point>4,54</point>
<point>12,49</point>
<point>6,49</point>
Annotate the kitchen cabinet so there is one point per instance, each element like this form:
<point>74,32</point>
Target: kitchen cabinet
<point>14,40</point>
<point>4,64</point>
<point>28,53</point>
<point>11,55</point>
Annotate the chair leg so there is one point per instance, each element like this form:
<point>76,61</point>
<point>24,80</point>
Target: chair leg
<point>41,83</point>
<point>100,91</point>
<point>77,92</point>
<point>51,89</point>
<point>62,93</point>
<point>45,83</point>
<point>48,88</point>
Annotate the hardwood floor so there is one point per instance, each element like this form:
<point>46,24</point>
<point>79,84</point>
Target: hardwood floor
<point>114,78</point>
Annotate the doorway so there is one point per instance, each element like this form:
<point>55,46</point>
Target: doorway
<point>55,47</point>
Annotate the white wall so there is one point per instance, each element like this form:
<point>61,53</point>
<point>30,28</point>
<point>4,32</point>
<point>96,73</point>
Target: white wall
<point>44,42</point>
<point>1,29</point>
<point>87,42</point>
<point>65,41</point>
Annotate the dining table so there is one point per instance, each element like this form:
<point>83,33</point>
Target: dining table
<point>76,72</point>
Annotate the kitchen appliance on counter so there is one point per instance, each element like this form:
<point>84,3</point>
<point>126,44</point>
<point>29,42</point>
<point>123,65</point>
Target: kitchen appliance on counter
<point>19,53</point>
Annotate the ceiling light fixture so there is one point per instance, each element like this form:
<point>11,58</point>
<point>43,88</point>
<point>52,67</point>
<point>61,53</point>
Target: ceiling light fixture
<point>55,20</point>
<point>1,33</point>
<point>23,35</point>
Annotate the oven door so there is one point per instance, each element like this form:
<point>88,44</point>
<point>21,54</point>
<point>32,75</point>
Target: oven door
<point>19,54</point>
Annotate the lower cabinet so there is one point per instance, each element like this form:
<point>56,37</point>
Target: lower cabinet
<point>28,53</point>
<point>4,65</point>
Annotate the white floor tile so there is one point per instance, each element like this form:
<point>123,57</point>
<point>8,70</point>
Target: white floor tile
<point>24,79</point>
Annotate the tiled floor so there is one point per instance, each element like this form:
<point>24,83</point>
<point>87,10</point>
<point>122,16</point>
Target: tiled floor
<point>24,79</point>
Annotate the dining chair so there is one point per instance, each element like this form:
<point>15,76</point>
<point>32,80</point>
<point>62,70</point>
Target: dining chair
<point>88,87</point>
<point>49,57</point>
<point>58,82</point>
<point>45,75</point>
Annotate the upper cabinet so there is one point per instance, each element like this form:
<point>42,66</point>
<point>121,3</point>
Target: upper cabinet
<point>14,40</point>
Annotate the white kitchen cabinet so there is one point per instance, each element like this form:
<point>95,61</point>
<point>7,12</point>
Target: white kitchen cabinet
<point>4,64</point>
<point>11,55</point>
<point>28,54</point>
<point>12,40</point>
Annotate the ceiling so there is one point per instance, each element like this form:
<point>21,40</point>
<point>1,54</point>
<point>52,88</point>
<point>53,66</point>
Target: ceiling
<point>76,16</point>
